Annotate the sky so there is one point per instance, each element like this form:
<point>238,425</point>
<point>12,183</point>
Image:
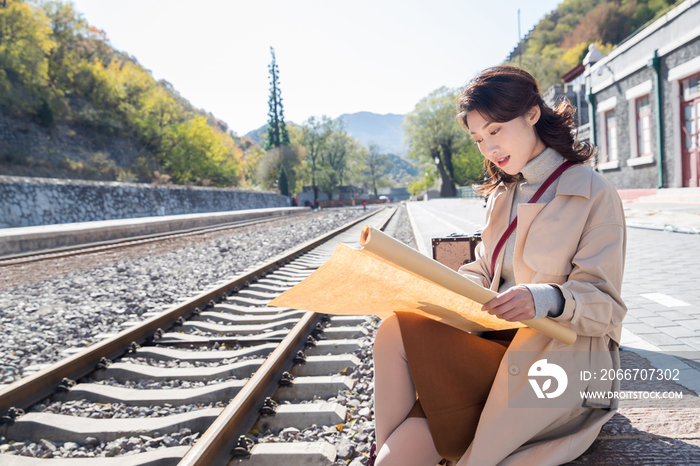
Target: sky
<point>334,57</point>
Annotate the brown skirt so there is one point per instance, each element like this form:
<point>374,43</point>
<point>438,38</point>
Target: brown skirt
<point>453,372</point>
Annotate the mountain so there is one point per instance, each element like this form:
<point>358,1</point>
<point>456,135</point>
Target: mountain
<point>384,130</point>
<point>366,127</point>
<point>258,134</point>
<point>402,171</point>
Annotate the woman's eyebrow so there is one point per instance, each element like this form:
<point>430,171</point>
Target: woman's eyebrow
<point>483,127</point>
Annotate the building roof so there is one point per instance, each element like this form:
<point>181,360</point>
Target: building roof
<point>573,73</point>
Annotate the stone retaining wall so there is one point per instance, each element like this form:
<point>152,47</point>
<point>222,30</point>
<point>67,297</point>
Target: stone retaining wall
<point>47,201</point>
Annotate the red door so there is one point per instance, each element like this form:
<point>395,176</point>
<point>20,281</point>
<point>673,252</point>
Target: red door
<point>690,116</point>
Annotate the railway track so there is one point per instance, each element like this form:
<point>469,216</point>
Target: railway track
<point>24,258</point>
<point>194,379</point>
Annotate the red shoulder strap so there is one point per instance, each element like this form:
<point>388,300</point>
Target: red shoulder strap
<point>511,228</point>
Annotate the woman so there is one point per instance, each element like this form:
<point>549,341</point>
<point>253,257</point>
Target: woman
<point>563,260</point>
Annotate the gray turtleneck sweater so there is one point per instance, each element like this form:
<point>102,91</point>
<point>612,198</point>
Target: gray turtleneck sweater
<point>548,299</point>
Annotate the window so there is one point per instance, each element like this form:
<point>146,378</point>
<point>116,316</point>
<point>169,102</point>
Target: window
<point>689,120</point>
<point>611,135</point>
<point>690,131</point>
<point>643,116</point>
<point>690,87</point>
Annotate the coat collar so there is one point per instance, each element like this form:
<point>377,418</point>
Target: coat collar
<point>576,181</point>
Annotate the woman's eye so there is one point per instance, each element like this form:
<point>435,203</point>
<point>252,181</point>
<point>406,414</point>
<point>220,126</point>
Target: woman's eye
<point>494,132</point>
<point>478,141</point>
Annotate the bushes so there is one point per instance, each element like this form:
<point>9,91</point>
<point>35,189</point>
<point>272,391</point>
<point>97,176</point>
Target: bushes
<point>55,68</point>
<point>199,153</point>
<point>25,43</point>
<point>547,51</point>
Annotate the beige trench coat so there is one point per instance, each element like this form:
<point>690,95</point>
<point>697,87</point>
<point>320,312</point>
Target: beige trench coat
<point>577,241</point>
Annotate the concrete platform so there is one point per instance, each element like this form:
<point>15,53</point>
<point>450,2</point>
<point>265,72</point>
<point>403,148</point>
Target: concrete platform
<point>657,262</point>
<point>31,239</point>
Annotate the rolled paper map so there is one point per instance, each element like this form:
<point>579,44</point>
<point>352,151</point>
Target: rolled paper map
<point>394,251</point>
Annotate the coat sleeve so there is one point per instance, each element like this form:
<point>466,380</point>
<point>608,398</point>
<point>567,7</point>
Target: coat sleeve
<point>593,305</point>
<point>478,271</point>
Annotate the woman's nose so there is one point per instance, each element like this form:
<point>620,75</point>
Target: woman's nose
<point>491,150</point>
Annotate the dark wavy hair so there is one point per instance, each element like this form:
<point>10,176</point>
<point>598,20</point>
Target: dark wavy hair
<point>503,93</point>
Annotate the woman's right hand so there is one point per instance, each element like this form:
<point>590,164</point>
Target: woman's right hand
<point>514,305</point>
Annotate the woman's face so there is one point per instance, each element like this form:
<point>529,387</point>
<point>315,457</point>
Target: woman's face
<point>509,145</point>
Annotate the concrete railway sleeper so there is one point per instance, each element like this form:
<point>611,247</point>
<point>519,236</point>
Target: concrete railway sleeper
<point>193,380</point>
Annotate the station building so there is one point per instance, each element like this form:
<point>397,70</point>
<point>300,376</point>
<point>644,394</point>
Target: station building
<point>643,103</point>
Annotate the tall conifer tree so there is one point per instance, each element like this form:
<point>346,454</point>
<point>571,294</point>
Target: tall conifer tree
<point>276,129</point>
<point>283,184</point>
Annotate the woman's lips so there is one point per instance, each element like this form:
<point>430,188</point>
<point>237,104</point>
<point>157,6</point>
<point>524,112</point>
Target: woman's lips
<point>503,161</point>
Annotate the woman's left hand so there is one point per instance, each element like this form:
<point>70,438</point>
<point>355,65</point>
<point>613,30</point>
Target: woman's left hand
<point>514,305</point>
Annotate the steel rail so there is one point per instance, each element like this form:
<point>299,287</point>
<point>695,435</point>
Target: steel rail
<point>36,387</point>
<point>215,445</point>
<point>99,246</point>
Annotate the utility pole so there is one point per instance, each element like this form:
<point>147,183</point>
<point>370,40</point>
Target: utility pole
<point>520,50</point>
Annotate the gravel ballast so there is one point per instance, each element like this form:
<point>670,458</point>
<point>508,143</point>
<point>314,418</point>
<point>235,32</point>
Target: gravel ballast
<point>42,318</point>
<point>352,439</point>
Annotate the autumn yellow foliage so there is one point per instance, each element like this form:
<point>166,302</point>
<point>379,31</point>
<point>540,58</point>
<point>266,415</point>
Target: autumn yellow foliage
<point>56,69</point>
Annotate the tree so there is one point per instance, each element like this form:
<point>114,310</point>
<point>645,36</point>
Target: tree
<point>252,155</point>
<point>468,163</point>
<point>573,22</point>
<point>432,133</point>
<point>25,44</point>
<point>56,69</point>
<point>376,167</point>
<point>314,135</point>
<point>285,159</point>
<point>276,130</point>
<point>201,154</point>
<point>282,184</point>
<point>422,184</point>
<point>339,148</point>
